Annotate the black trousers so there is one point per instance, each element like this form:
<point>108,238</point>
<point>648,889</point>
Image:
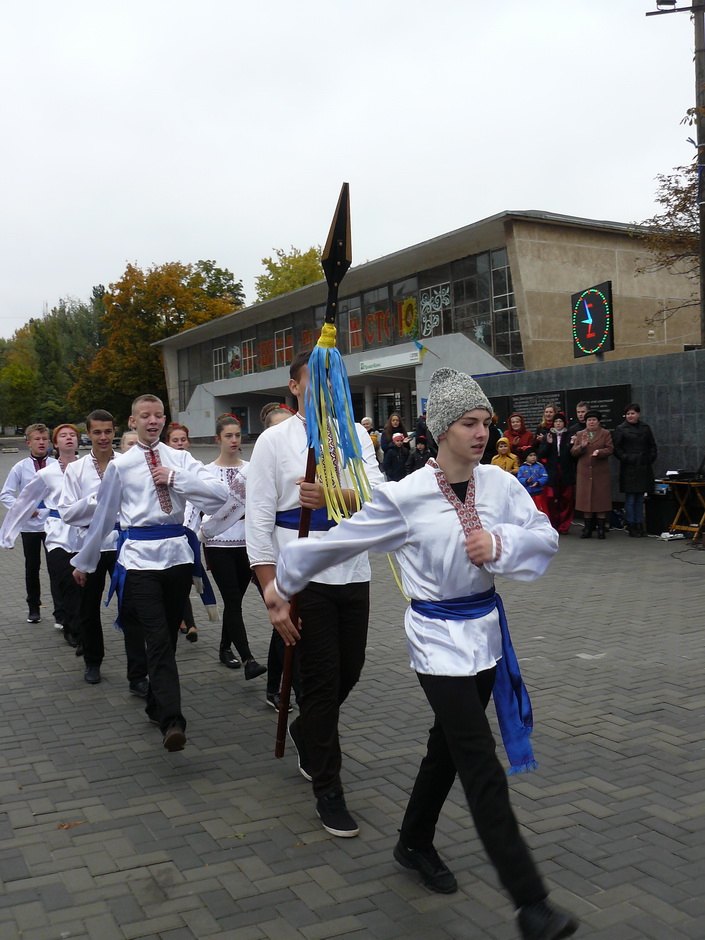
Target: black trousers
<point>231,572</point>
<point>32,544</point>
<point>91,623</point>
<point>461,742</point>
<point>331,652</point>
<point>152,608</point>
<point>66,592</point>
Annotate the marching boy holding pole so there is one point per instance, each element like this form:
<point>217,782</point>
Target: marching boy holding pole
<point>454,525</point>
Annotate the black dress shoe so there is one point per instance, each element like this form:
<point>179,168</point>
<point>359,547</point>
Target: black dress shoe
<point>229,659</point>
<point>140,687</point>
<point>70,638</point>
<point>253,669</point>
<point>543,921</point>
<point>92,674</point>
<point>174,738</point>
<point>192,635</point>
<point>79,649</point>
<point>427,862</point>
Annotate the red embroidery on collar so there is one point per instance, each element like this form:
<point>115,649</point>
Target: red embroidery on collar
<point>467,514</point>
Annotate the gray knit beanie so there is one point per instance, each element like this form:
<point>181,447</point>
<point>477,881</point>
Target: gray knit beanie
<point>450,395</point>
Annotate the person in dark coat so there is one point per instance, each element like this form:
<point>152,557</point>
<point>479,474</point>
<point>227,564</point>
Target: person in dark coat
<point>493,436</point>
<point>635,449</point>
<point>560,466</point>
<point>419,455</point>
<point>593,492</point>
<point>422,431</point>
<point>394,463</point>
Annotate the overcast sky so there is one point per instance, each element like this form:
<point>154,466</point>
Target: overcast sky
<point>150,131</point>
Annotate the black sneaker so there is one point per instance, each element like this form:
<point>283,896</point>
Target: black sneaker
<point>543,921</point>
<point>300,750</point>
<point>35,617</point>
<point>274,699</point>
<point>92,675</point>
<point>334,815</point>
<point>140,687</point>
<point>427,862</point>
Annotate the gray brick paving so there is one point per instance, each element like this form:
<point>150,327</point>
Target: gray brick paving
<point>104,835</point>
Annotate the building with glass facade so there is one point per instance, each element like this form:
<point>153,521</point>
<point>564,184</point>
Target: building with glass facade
<point>491,297</point>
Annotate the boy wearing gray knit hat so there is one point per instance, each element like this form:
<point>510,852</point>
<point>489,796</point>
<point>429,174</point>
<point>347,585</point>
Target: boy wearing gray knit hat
<point>455,524</point>
<point>451,394</point>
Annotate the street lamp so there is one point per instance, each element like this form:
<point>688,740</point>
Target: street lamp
<point>698,11</point>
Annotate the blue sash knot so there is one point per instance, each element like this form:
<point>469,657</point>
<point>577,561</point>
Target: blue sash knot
<point>54,513</point>
<point>151,533</point>
<point>290,518</point>
<point>511,698</point>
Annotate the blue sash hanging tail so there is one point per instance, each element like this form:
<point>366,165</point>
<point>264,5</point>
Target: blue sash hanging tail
<point>149,533</point>
<point>511,700</point>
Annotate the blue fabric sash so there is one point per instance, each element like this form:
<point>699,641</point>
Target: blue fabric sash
<point>290,518</point>
<point>511,699</point>
<point>149,533</point>
<point>54,513</point>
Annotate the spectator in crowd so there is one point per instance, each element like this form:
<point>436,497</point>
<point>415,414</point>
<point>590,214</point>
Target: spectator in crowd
<point>393,426</point>
<point>635,449</point>
<point>422,431</point>
<point>493,436</point>
<point>419,456</point>
<point>128,440</point>
<point>505,459</point>
<point>560,465</point>
<point>549,413</point>
<point>581,409</point>
<point>368,425</point>
<point>520,438</point>
<point>533,477</point>
<point>394,464</point>
<point>593,495</point>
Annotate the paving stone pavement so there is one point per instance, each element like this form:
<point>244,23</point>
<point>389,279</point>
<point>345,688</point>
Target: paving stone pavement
<point>105,835</point>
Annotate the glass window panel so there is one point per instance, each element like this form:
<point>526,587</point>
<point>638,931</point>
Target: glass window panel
<point>483,286</point>
<point>500,281</point>
<point>402,289</point>
<point>499,258</point>
<point>501,344</point>
<point>434,276</point>
<point>458,293</point>
<point>501,322</point>
<point>480,330</point>
<point>464,267</point>
<point>483,263</point>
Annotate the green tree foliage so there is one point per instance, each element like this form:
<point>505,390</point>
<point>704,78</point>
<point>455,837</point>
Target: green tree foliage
<point>673,236</point>
<point>140,309</point>
<point>288,272</point>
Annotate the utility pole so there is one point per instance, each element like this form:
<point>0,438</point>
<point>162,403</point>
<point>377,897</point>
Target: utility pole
<point>698,12</point>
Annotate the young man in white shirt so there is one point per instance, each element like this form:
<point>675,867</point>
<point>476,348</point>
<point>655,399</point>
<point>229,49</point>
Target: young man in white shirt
<point>148,488</point>
<point>78,502</point>
<point>454,525</point>
<point>334,609</point>
<point>37,440</point>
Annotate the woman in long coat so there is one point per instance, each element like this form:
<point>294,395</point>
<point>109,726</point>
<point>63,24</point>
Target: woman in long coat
<point>593,492</point>
<point>635,449</point>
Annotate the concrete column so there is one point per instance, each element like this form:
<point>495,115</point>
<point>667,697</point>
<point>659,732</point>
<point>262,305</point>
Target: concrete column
<point>370,402</point>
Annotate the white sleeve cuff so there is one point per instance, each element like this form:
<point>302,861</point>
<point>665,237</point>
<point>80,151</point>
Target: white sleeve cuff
<point>284,597</point>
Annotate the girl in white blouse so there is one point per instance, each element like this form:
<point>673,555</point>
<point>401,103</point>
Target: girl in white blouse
<point>224,537</point>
